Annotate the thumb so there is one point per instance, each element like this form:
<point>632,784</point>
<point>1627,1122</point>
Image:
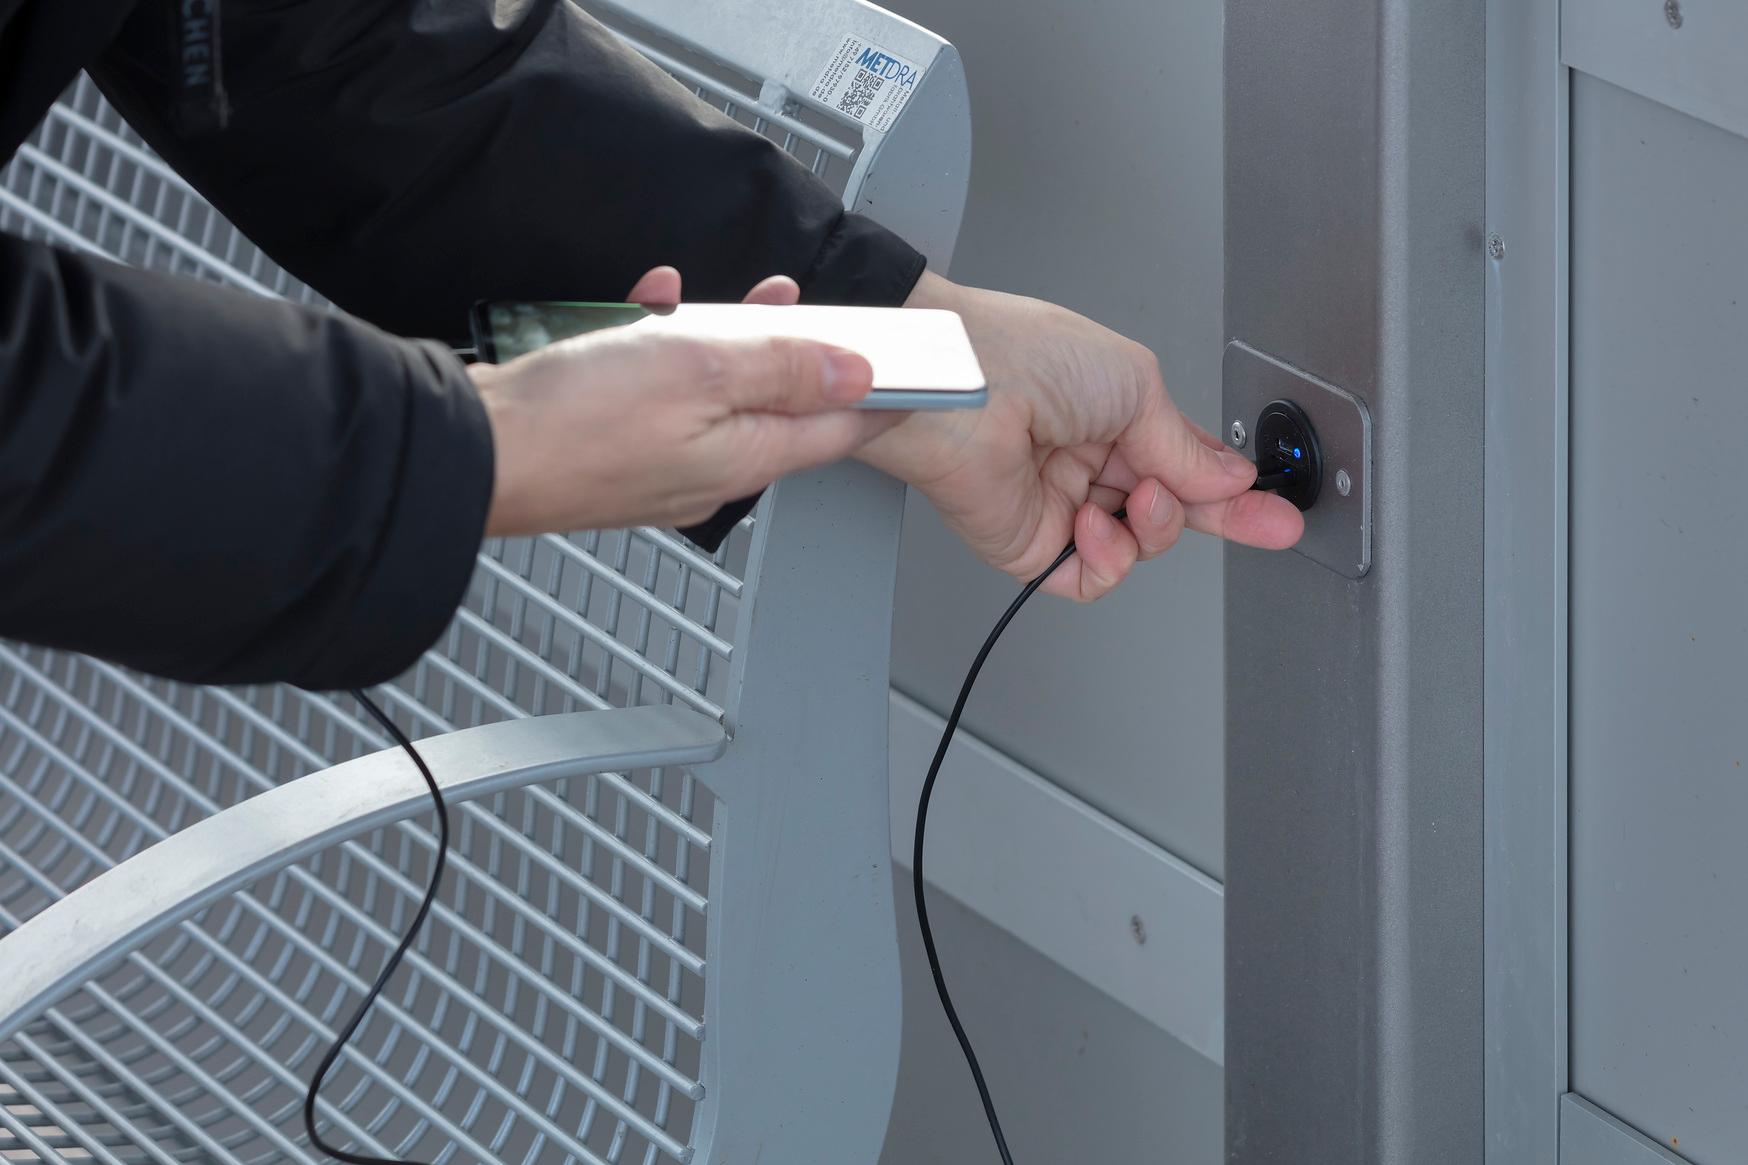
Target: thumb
<point>782,375</point>
<point>1162,443</point>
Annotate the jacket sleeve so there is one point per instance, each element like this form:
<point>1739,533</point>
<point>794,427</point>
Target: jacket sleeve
<point>224,489</point>
<point>409,158</point>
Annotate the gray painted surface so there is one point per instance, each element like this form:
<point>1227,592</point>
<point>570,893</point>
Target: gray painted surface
<point>1107,905</point>
<point>1076,1077</point>
<point>1096,183</point>
<point>1692,61</point>
<point>1659,623</point>
<point>1525,569</point>
<point>1590,1136</point>
<point>1355,194</point>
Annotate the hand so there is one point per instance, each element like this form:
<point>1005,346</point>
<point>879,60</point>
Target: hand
<point>1078,424</point>
<point>623,428</point>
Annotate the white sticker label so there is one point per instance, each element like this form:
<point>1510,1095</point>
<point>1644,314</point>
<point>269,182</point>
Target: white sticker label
<point>866,83</point>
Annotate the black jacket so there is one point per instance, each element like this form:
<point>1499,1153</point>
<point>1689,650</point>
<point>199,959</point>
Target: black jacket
<point>225,489</point>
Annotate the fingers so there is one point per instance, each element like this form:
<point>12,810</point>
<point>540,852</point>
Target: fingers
<point>776,289</point>
<point>782,375</point>
<point>1202,434</point>
<point>1259,519</point>
<point>1106,549</point>
<point>778,375</point>
<point>659,287</point>
<point>1162,443</point>
<point>1155,518</point>
<point>1105,497</point>
<point>1105,552</point>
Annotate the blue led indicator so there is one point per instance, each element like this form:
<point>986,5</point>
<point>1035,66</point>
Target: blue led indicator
<point>1297,452</point>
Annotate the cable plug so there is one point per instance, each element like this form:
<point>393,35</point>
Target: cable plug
<point>1289,459</point>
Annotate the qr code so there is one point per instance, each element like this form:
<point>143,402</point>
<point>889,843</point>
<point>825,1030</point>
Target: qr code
<point>861,93</point>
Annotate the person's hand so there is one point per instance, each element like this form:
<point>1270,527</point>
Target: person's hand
<point>1078,424</point>
<point>624,428</point>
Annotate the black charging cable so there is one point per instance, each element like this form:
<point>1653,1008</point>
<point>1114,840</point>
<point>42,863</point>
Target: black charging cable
<point>394,960</point>
<point>1268,481</point>
<point>922,824</point>
<point>916,875</point>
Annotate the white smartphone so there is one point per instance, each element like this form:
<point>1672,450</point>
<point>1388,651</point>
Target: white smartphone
<point>922,357</point>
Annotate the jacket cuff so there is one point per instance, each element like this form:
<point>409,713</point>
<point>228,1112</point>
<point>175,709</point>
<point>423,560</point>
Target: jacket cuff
<point>432,531</point>
<point>713,532</point>
<point>862,264</point>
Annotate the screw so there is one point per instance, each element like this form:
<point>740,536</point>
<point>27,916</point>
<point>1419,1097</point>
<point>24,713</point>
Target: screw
<point>1496,246</point>
<point>1239,436</point>
<point>1343,483</point>
<point>1672,12</point>
<point>1138,930</point>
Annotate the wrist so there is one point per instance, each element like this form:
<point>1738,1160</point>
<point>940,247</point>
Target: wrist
<point>927,445</point>
<point>934,290</point>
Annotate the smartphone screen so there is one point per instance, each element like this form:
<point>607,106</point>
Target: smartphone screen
<point>504,330</point>
<point>922,358</point>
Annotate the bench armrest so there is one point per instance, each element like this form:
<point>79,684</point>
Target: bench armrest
<point>60,948</point>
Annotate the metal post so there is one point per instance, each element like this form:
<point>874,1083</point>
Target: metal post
<point>1356,257</point>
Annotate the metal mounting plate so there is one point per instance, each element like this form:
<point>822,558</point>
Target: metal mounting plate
<point>1338,529</point>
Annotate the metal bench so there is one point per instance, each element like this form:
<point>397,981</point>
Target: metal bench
<point>667,933</point>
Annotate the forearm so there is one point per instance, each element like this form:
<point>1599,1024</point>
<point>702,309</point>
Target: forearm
<point>218,488</point>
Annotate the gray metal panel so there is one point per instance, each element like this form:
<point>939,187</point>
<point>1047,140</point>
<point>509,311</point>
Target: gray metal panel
<point>1078,1079</point>
<point>1525,578</point>
<point>1589,1136</point>
<point>1096,183</point>
<point>1659,625</point>
<point>1302,190</point>
<point>1689,54</point>
<point>1107,906</point>
<point>1354,172</point>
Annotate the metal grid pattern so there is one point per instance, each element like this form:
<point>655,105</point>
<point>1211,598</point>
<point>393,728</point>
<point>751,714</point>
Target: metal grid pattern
<point>552,1008</point>
<point>86,181</point>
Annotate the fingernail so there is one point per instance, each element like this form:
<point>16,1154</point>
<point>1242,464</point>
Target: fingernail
<point>846,376</point>
<point>1101,525</point>
<point>1159,509</point>
<point>1236,464</point>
